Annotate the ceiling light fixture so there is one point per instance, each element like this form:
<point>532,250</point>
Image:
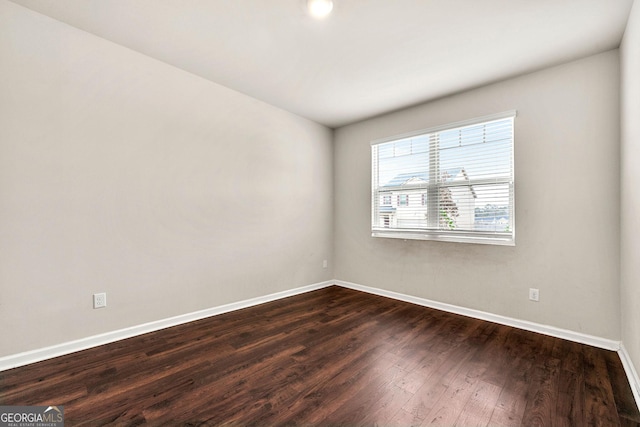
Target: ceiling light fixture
<point>319,8</point>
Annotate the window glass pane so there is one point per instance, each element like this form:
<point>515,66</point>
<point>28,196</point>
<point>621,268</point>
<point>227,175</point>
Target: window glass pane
<point>449,139</point>
<point>420,144</point>
<point>483,208</point>
<point>404,162</point>
<point>492,208</point>
<point>500,130</point>
<point>402,148</point>
<point>472,135</point>
<point>385,151</point>
<point>487,160</point>
<point>411,214</point>
<point>473,192</point>
<point>456,207</point>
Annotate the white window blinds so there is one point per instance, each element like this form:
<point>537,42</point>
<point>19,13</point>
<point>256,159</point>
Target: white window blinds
<point>451,183</point>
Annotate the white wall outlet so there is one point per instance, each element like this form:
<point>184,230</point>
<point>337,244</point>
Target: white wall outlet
<point>100,300</point>
<point>534,294</point>
<point>324,263</point>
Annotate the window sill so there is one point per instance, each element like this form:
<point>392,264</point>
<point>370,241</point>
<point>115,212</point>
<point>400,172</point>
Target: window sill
<point>442,237</point>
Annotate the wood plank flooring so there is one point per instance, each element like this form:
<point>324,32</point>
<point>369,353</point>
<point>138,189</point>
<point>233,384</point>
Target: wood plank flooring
<point>333,357</point>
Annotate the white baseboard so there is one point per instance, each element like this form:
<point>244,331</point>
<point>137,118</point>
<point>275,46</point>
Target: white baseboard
<point>21,359</point>
<point>503,320</point>
<point>632,374</point>
<point>603,343</point>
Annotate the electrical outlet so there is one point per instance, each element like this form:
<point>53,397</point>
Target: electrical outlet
<point>100,300</point>
<point>534,294</point>
<point>324,263</point>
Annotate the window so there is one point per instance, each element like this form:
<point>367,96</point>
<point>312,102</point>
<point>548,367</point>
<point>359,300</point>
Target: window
<point>450,183</point>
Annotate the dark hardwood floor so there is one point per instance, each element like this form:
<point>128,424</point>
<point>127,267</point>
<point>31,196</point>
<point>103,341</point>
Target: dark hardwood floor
<point>333,357</point>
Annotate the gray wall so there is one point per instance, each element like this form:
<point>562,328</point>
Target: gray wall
<point>630,155</point>
<point>567,204</point>
<point>119,173</point>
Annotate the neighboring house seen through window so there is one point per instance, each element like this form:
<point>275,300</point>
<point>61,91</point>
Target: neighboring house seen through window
<point>451,183</point>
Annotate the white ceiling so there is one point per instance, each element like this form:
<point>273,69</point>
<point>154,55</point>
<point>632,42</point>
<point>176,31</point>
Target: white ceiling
<point>368,57</point>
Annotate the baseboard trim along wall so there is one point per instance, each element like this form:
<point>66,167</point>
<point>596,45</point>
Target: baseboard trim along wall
<point>21,359</point>
<point>503,320</point>
<point>632,375</point>
<point>631,372</point>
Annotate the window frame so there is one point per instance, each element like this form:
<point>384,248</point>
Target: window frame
<point>461,236</point>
